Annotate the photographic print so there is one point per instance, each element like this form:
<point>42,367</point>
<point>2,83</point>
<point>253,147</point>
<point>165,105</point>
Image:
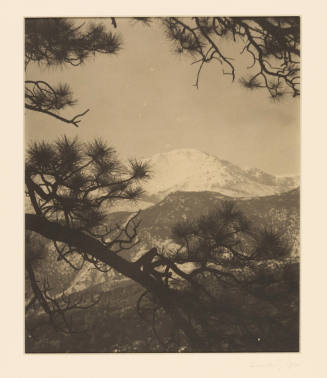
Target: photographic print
<point>162,184</point>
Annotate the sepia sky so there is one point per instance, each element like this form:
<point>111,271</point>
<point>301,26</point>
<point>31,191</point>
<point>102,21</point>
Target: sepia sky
<point>142,101</point>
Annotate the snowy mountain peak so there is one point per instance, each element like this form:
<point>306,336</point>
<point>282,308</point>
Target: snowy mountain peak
<point>189,169</point>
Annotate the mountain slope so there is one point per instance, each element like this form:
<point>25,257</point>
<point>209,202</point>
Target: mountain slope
<point>190,170</point>
<point>193,170</point>
<point>155,231</point>
<point>281,211</point>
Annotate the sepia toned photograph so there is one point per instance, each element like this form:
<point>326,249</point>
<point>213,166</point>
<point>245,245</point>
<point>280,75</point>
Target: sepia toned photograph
<point>162,184</point>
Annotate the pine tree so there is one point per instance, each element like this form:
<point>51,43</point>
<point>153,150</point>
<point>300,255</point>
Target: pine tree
<point>272,45</point>
<point>54,42</point>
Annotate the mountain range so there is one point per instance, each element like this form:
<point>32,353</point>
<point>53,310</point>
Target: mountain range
<point>280,211</point>
<point>190,170</point>
<point>185,184</point>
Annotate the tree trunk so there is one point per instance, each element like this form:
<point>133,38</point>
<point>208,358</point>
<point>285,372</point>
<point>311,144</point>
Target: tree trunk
<point>85,243</point>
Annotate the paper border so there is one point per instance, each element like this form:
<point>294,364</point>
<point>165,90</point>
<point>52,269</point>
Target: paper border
<point>309,362</point>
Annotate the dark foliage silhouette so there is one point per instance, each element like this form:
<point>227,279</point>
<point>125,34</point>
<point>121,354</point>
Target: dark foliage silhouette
<point>53,42</point>
<point>69,183</point>
<point>230,296</point>
<point>227,286</point>
<point>271,44</point>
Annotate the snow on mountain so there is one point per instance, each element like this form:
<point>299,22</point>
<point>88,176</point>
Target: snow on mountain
<point>190,170</point>
<point>280,211</point>
<point>258,175</point>
<point>193,170</point>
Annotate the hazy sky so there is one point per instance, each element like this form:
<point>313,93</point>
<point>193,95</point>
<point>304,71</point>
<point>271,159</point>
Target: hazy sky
<point>142,101</point>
